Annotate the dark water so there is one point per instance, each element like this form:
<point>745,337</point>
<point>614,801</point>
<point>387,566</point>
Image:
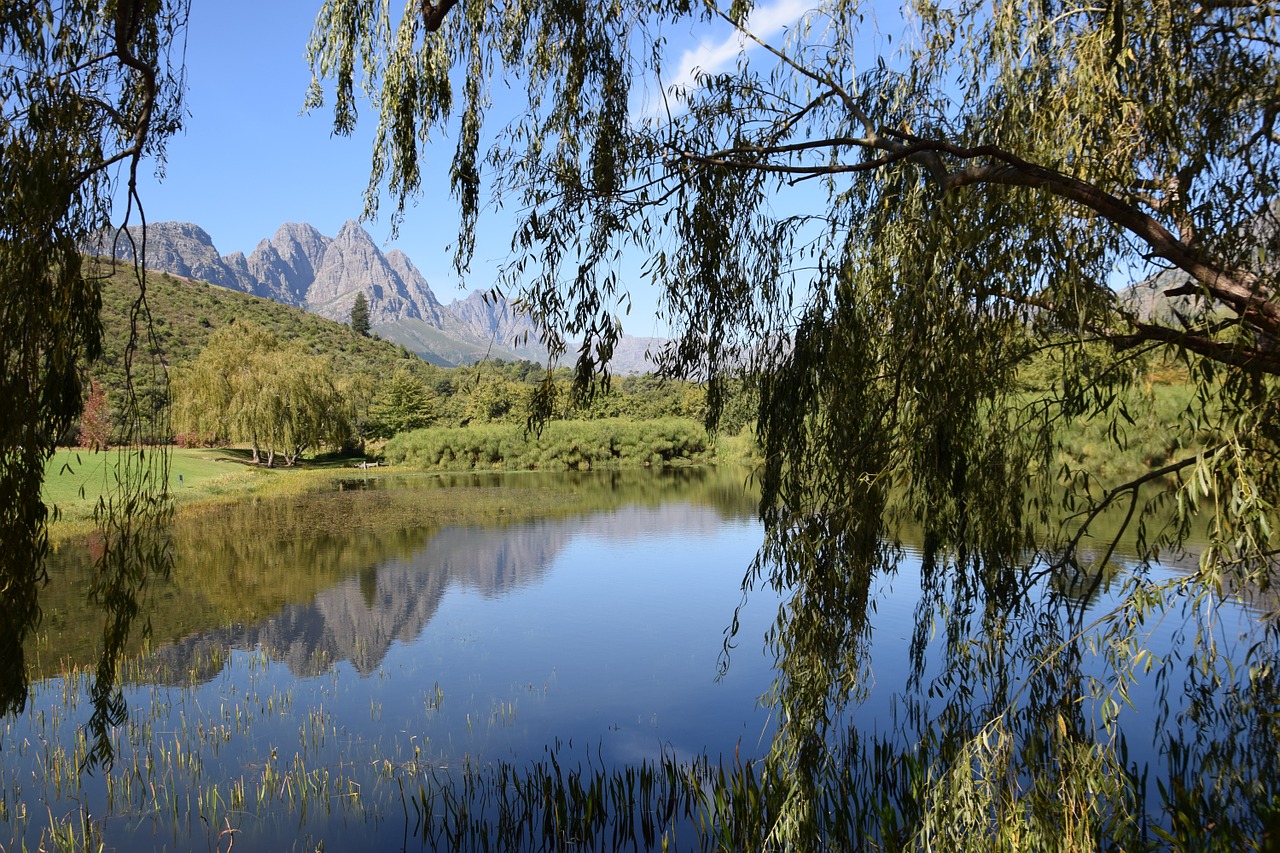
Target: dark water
<point>313,660</point>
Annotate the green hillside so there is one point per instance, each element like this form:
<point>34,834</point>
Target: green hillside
<point>440,348</point>
<point>185,312</point>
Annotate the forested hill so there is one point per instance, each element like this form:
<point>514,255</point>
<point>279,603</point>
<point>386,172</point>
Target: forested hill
<point>377,375</point>
<point>185,312</point>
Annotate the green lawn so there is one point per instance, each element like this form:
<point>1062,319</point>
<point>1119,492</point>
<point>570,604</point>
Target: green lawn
<point>74,479</point>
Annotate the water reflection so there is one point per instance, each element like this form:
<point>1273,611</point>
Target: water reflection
<point>342,576</point>
<point>310,655</point>
<point>473,621</point>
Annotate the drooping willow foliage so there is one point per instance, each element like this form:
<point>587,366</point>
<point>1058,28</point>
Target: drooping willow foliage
<point>88,94</point>
<point>916,258</point>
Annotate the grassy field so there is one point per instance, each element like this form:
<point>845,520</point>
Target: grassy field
<point>76,479</point>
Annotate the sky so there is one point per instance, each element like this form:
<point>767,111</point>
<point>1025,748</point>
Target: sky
<point>249,160</point>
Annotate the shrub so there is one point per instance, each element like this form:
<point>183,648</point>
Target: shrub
<point>560,445</point>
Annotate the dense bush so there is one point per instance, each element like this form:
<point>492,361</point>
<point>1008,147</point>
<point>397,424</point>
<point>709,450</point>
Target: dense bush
<point>560,445</point>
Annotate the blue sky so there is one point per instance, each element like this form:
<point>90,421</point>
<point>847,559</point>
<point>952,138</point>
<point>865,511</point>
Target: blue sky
<point>248,159</point>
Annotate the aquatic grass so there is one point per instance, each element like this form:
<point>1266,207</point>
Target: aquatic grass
<point>876,793</point>
<point>503,714</point>
<point>165,777</point>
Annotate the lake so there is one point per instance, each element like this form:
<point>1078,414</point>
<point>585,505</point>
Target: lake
<point>318,668</point>
<point>429,623</point>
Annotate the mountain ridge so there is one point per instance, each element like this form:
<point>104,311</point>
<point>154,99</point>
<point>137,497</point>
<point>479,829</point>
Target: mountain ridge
<point>301,267</point>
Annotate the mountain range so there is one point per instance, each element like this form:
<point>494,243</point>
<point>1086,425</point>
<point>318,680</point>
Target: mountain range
<point>299,266</point>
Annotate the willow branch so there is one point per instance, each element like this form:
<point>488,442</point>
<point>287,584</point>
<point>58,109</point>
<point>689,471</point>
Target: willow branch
<point>1240,290</point>
<point>1125,488</point>
<point>433,14</point>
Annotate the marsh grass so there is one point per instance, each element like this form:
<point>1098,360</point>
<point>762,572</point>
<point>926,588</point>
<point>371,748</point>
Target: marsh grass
<point>170,777</point>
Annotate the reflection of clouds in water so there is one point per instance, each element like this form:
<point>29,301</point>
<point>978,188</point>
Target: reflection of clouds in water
<point>652,737</point>
<point>359,618</point>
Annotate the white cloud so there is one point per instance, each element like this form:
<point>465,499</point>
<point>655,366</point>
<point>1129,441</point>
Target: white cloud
<point>766,21</point>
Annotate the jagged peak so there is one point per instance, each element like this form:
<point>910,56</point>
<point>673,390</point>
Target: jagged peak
<point>265,247</point>
<point>287,228</point>
<point>185,229</point>
<point>353,230</point>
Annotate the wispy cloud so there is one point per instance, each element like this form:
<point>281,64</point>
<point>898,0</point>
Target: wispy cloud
<point>766,21</point>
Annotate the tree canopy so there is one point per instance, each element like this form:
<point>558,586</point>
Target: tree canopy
<point>88,94</point>
<point>247,385</point>
<point>970,206</point>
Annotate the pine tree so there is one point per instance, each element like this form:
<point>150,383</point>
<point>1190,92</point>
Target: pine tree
<point>360,315</point>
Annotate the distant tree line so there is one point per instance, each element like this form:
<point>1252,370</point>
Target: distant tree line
<point>386,389</point>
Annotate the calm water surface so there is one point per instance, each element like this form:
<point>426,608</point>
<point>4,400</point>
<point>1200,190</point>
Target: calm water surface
<point>313,656</point>
<point>586,612</point>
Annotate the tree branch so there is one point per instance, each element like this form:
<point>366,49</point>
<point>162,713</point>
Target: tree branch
<point>1240,290</point>
<point>1251,358</point>
<point>1130,487</point>
<point>433,14</point>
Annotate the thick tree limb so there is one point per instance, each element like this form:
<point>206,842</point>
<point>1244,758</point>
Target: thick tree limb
<point>433,14</point>
<point>1250,358</point>
<point>1240,290</point>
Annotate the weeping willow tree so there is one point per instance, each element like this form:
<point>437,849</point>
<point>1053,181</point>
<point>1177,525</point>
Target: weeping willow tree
<point>88,93</point>
<point>889,247</point>
<point>248,385</point>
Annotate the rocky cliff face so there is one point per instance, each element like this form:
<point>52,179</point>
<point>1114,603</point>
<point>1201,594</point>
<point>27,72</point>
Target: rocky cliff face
<point>417,290</point>
<point>299,266</point>
<point>182,249</point>
<point>485,315</point>
<point>284,266</point>
<point>352,263</point>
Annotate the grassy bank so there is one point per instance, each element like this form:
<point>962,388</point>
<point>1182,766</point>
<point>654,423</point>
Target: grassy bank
<point>75,480</point>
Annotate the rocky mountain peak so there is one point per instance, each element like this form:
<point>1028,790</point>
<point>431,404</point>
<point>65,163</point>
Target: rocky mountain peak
<point>185,249</point>
<point>353,230</point>
<point>299,266</point>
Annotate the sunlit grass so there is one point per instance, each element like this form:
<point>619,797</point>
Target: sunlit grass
<point>75,480</point>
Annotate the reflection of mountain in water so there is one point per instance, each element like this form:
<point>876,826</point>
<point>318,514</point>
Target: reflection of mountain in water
<point>359,618</point>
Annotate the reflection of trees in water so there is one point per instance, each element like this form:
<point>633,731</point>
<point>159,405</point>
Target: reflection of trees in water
<point>727,488</point>
<point>358,617</point>
<point>237,565</point>
<point>1016,711</point>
